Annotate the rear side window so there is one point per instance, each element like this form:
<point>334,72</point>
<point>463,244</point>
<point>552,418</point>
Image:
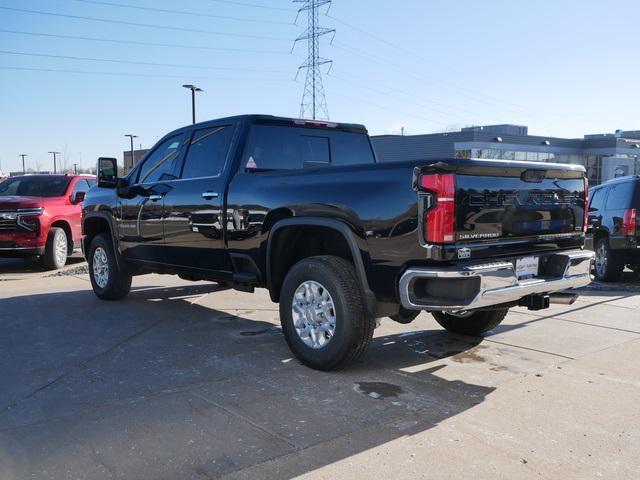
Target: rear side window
<point>207,152</point>
<point>161,163</point>
<point>271,147</point>
<point>349,148</point>
<point>620,196</point>
<point>597,199</point>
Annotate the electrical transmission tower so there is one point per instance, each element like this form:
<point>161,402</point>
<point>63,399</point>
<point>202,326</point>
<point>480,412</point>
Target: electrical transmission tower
<point>314,103</point>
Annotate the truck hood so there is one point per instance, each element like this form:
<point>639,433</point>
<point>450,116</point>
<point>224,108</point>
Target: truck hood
<point>16,202</point>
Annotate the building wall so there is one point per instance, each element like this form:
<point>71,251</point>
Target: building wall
<point>603,156</point>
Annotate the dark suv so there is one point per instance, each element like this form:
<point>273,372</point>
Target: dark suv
<point>614,228</point>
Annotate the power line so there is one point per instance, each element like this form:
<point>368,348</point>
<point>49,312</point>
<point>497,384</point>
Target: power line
<point>135,62</point>
<point>148,44</point>
<point>146,25</point>
<point>382,107</point>
<point>442,82</point>
<point>314,101</point>
<point>386,94</point>
<point>179,12</point>
<point>146,75</point>
<point>254,5</point>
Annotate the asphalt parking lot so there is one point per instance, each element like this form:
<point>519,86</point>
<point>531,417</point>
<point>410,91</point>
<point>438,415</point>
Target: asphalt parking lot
<point>187,380</point>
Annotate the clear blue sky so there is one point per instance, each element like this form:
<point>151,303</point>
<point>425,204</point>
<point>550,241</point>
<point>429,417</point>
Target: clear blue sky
<point>562,67</point>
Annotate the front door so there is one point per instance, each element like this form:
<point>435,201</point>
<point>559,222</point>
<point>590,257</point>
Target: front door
<point>141,227</point>
<point>194,209</point>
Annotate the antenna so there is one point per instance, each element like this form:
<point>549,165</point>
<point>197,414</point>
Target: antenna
<point>314,102</point>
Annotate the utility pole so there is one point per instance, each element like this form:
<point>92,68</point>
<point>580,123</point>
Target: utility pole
<point>75,168</point>
<point>131,137</point>
<point>54,161</point>
<point>314,102</point>
<point>193,89</point>
<point>23,168</point>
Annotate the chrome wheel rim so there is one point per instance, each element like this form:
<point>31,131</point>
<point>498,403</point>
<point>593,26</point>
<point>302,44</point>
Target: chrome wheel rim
<point>60,249</point>
<point>100,267</point>
<point>601,260</point>
<point>314,314</point>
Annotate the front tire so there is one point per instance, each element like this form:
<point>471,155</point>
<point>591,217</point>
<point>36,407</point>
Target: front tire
<point>108,282</point>
<point>56,251</point>
<point>607,267</point>
<point>322,313</point>
<point>471,323</point>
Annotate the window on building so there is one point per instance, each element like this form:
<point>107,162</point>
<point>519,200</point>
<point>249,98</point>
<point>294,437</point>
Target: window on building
<point>161,161</point>
<point>207,152</point>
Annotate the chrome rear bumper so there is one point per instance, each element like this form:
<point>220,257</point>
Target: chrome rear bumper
<point>486,284</point>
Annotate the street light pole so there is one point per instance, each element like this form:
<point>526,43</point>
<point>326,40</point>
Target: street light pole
<point>75,168</point>
<point>54,161</point>
<point>131,137</point>
<point>193,89</point>
<point>23,169</point>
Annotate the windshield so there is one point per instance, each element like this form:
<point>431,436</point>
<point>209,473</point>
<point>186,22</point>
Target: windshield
<point>35,186</point>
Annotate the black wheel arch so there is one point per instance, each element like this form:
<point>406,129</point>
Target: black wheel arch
<point>275,276</point>
<point>96,223</point>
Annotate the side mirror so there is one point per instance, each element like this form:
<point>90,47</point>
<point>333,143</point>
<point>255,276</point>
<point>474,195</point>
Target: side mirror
<point>107,172</point>
<point>78,197</point>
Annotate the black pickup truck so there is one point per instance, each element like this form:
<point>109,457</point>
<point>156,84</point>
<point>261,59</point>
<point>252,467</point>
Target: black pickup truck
<point>303,209</point>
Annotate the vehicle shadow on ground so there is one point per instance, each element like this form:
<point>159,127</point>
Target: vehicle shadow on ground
<point>99,374</point>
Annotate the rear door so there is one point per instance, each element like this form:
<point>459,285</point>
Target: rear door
<point>194,208</point>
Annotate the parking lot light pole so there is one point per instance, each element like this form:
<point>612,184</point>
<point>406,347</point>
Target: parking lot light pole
<point>54,161</point>
<point>23,169</point>
<point>131,137</point>
<point>193,89</point>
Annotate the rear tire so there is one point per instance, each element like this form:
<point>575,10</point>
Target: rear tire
<point>607,267</point>
<point>56,250</point>
<point>108,282</point>
<point>472,323</point>
<point>329,328</point>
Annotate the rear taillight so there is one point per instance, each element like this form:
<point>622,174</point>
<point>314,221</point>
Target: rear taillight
<point>629,222</point>
<point>585,219</point>
<point>439,219</point>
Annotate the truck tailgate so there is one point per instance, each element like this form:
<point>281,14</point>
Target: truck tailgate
<point>502,207</point>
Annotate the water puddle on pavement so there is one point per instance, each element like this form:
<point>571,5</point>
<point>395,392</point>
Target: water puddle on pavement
<point>378,390</point>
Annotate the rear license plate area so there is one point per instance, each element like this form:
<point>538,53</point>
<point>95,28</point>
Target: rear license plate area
<point>527,267</point>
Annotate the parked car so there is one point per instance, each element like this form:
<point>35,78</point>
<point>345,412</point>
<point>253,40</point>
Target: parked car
<point>40,216</point>
<point>303,209</point>
<point>614,227</point>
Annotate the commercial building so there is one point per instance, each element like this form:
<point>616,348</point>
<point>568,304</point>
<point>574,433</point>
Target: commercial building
<point>605,156</point>
<point>129,162</point>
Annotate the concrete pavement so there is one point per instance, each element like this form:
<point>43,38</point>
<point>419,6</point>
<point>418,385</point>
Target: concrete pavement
<point>185,380</point>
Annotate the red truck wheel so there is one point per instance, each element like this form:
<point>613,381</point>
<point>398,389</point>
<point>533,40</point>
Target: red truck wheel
<point>56,250</point>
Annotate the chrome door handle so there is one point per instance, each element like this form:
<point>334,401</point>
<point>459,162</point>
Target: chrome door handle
<point>155,198</point>
<point>209,195</point>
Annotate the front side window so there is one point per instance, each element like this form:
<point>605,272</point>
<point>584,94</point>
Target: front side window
<point>161,163</point>
<point>82,185</point>
<point>207,152</point>
<point>35,186</point>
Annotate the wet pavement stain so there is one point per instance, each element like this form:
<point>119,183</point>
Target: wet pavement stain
<point>378,390</point>
<point>470,356</point>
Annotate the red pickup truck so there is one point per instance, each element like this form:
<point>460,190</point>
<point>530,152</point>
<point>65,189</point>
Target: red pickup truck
<point>40,216</point>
